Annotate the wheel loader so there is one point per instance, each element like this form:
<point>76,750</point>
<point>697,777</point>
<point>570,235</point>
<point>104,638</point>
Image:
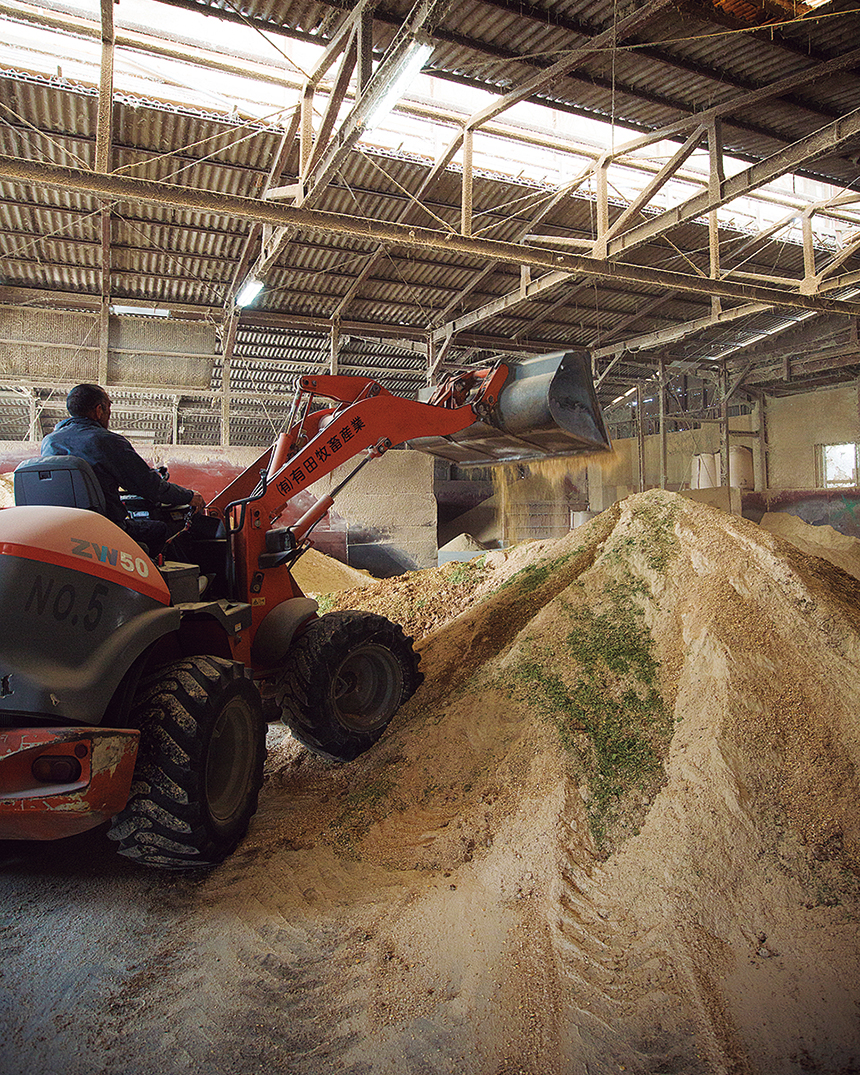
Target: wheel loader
<point>138,693</point>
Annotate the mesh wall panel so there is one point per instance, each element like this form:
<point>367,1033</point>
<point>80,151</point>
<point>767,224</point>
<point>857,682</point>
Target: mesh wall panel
<point>48,345</point>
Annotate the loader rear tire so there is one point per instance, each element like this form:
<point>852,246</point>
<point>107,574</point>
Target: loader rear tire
<point>199,768</point>
<point>344,679</point>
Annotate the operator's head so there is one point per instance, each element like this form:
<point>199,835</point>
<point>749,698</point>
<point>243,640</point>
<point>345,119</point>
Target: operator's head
<point>89,401</point>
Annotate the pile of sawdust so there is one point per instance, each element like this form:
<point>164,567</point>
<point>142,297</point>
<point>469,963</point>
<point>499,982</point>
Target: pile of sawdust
<point>623,807</point>
<point>840,549</point>
<point>463,543</point>
<point>7,491</point>
<point>421,601</point>
<point>615,830</point>
<point>320,574</point>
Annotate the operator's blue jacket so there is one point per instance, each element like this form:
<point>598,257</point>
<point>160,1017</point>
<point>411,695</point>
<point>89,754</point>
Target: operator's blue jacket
<point>116,464</point>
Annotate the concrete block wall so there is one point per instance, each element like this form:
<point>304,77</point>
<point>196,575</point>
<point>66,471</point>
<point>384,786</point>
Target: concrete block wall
<point>796,424</point>
<point>390,511</point>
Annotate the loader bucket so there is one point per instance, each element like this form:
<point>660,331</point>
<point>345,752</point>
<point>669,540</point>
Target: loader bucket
<point>547,407</point>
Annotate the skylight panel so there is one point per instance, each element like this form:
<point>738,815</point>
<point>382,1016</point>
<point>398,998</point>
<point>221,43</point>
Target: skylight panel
<point>530,142</point>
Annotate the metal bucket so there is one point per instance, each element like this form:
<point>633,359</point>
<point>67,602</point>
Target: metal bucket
<point>547,408</point>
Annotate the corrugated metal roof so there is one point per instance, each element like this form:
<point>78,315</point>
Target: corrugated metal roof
<point>672,68</point>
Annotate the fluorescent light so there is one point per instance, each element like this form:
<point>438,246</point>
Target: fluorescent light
<point>143,311</point>
<point>249,291</point>
<point>414,58</point>
<point>625,396</point>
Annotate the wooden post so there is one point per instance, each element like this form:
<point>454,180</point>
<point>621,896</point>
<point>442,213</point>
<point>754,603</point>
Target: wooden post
<point>663,444</point>
<point>640,432</point>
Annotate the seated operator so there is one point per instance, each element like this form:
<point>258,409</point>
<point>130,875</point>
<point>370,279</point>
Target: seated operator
<point>116,464</point>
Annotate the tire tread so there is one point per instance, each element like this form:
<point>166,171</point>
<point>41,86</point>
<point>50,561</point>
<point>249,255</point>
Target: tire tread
<point>306,675</point>
<point>164,822</point>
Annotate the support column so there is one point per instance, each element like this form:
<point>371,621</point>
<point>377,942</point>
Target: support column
<point>724,426</point>
<point>364,51</point>
<point>762,442</point>
<point>335,344</point>
<point>34,434</point>
<point>104,338</point>
<point>466,207</point>
<point>104,127</point>
<point>663,444</point>
<point>601,171</point>
<point>103,154</point>
<point>640,435</point>
<point>715,183</point>
<point>230,328</point>
<point>808,252</point>
<point>306,135</point>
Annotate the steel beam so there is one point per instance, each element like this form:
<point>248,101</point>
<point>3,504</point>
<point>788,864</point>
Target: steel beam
<point>318,169</point>
<point>544,210</point>
<point>607,39</point>
<point>661,337</point>
<point>126,188</point>
<point>542,286</point>
<point>668,170</point>
<point>708,120</point>
<point>155,42</point>
<point>276,171</point>
<point>407,213</point>
<point>825,140</point>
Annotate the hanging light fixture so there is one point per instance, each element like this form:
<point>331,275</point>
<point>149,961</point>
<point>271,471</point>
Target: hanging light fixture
<point>414,58</point>
<point>249,291</point>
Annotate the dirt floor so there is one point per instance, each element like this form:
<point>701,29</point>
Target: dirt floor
<point>615,830</point>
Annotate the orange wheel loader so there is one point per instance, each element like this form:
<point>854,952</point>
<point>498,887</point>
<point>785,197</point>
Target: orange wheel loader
<point>138,693</point>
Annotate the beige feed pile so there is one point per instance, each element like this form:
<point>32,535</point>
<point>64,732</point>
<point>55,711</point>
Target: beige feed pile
<point>824,541</point>
<point>7,491</point>
<point>615,830</point>
<point>463,543</point>
<point>317,573</point>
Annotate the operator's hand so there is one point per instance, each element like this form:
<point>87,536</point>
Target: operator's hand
<point>197,502</point>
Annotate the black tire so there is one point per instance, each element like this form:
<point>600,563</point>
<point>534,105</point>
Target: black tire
<point>343,681</point>
<point>199,768</point>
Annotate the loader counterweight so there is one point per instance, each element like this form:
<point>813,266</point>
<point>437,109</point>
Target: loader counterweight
<point>78,592</point>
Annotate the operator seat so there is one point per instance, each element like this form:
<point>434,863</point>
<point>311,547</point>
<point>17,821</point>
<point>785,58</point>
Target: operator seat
<point>63,481</point>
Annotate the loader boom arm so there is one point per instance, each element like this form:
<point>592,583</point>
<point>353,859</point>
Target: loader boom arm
<point>367,419</point>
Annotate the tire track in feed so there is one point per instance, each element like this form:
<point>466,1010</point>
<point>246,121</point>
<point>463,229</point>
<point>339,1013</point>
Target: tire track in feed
<point>621,998</point>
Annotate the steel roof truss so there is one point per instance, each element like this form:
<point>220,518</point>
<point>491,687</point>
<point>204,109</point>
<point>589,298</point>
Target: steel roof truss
<point>607,39</point>
<point>318,168</point>
<point>824,140</point>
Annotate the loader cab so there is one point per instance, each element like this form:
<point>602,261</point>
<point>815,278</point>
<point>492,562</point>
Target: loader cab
<point>68,481</point>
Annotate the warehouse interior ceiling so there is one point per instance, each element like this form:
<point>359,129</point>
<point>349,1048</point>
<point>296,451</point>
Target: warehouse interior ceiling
<point>412,189</point>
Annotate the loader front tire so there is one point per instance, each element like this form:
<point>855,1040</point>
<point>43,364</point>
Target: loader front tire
<point>199,767</point>
<point>344,679</point>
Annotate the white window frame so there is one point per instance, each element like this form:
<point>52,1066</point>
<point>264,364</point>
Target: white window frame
<point>823,474</point>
